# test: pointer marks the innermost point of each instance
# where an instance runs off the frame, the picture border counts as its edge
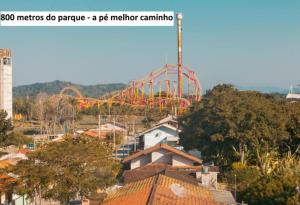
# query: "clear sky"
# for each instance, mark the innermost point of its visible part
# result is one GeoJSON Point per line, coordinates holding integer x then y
{"type": "Point", "coordinates": [244, 42]}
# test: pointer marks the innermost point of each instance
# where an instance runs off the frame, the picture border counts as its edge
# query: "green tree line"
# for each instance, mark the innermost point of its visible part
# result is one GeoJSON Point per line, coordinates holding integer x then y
{"type": "Point", "coordinates": [250, 135]}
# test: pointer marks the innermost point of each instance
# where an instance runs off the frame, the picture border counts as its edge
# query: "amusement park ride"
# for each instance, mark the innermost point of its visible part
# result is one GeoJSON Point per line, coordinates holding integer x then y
{"type": "Point", "coordinates": [171, 86]}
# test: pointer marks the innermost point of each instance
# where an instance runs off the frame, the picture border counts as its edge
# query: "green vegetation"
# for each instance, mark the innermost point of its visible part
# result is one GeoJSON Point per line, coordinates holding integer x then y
{"type": "Point", "coordinates": [7, 136]}
{"type": "Point", "coordinates": [118, 137]}
{"type": "Point", "coordinates": [5, 127]}
{"type": "Point", "coordinates": [150, 114]}
{"type": "Point", "coordinates": [55, 87]}
{"type": "Point", "coordinates": [61, 171]}
{"type": "Point", "coordinates": [249, 135]}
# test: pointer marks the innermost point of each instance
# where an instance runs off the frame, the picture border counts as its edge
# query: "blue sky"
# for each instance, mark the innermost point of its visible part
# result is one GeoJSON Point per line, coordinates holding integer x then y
{"type": "Point", "coordinates": [244, 42]}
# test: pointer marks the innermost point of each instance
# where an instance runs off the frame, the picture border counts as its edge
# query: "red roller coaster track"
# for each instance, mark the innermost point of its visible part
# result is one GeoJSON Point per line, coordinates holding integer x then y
{"type": "Point", "coordinates": [159, 88]}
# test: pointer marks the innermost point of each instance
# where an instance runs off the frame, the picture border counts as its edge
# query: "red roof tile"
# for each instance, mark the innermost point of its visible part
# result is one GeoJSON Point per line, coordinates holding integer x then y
{"type": "Point", "coordinates": [24, 151]}
{"type": "Point", "coordinates": [161, 190]}
{"type": "Point", "coordinates": [136, 193]}
{"type": "Point", "coordinates": [91, 133]}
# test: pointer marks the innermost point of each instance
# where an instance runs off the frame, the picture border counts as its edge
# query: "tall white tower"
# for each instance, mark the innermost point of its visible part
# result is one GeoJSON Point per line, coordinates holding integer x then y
{"type": "Point", "coordinates": [6, 81]}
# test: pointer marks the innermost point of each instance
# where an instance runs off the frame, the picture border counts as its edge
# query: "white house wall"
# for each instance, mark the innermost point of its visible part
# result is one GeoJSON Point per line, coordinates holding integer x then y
{"type": "Point", "coordinates": [140, 161]}
{"type": "Point", "coordinates": [156, 136]}
{"type": "Point", "coordinates": [161, 156]}
{"type": "Point", "coordinates": [180, 161]}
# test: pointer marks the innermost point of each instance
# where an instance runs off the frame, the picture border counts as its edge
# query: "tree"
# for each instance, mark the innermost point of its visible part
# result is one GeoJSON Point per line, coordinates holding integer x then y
{"type": "Point", "coordinates": [254, 137]}
{"type": "Point", "coordinates": [240, 177]}
{"type": "Point", "coordinates": [17, 139]}
{"type": "Point", "coordinates": [278, 187]}
{"type": "Point", "coordinates": [77, 166]}
{"type": "Point", "coordinates": [23, 106]}
{"type": "Point", "coordinates": [293, 127]}
{"type": "Point", "coordinates": [231, 125]}
{"type": "Point", "coordinates": [118, 137]}
{"type": "Point", "coordinates": [5, 127]}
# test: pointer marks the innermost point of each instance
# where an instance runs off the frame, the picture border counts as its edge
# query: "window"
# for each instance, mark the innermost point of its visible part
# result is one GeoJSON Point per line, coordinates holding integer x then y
{"type": "Point", "coordinates": [157, 134]}
{"type": "Point", "coordinates": [6, 61]}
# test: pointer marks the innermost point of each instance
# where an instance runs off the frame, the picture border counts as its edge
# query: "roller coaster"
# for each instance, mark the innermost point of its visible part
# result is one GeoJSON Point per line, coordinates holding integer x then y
{"type": "Point", "coordinates": [171, 86]}
{"type": "Point", "coordinates": [157, 89]}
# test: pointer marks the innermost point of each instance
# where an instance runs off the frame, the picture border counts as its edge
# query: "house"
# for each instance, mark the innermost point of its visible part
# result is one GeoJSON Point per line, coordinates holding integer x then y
{"type": "Point", "coordinates": [94, 133]}
{"type": "Point", "coordinates": [169, 120]}
{"type": "Point", "coordinates": [111, 126]}
{"type": "Point", "coordinates": [13, 158]}
{"type": "Point", "coordinates": [162, 133]}
{"type": "Point", "coordinates": [161, 190]}
{"type": "Point", "coordinates": [106, 128]}
{"type": "Point", "coordinates": [203, 175]}
{"type": "Point", "coordinates": [153, 169]}
{"type": "Point", "coordinates": [161, 153]}
{"type": "Point", "coordinates": [7, 196]}
{"type": "Point", "coordinates": [164, 158]}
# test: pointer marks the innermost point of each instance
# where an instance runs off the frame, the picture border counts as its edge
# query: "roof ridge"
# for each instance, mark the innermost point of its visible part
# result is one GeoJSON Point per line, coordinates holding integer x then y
{"type": "Point", "coordinates": [153, 190]}
{"type": "Point", "coordinates": [163, 146]}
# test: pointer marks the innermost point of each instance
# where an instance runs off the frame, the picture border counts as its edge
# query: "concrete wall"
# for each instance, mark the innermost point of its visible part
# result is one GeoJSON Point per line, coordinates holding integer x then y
{"type": "Point", "coordinates": [208, 179]}
{"type": "Point", "coordinates": [161, 156]}
{"type": "Point", "coordinates": [6, 82]}
{"type": "Point", "coordinates": [180, 161]}
{"type": "Point", "coordinates": [19, 200]}
{"type": "Point", "coordinates": [140, 161]}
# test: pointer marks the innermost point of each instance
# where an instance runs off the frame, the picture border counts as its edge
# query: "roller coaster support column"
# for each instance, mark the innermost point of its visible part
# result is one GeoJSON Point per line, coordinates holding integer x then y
{"type": "Point", "coordinates": [179, 30]}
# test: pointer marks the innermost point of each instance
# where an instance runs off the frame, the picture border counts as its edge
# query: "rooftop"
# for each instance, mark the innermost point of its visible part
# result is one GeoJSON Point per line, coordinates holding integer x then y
{"type": "Point", "coordinates": [165, 147]}
{"type": "Point", "coordinates": [161, 190]}
{"type": "Point", "coordinates": [158, 126]}
{"type": "Point", "coordinates": [153, 169]}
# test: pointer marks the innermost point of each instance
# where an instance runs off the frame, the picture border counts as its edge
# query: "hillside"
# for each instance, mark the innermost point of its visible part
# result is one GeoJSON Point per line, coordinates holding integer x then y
{"type": "Point", "coordinates": [56, 86]}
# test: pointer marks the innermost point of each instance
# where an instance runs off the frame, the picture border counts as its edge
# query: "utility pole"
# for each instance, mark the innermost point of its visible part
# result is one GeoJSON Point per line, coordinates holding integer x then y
{"type": "Point", "coordinates": [235, 187]}
{"type": "Point", "coordinates": [99, 126]}
{"type": "Point", "coordinates": [124, 141]}
{"type": "Point", "coordinates": [73, 120]}
{"type": "Point", "coordinates": [115, 138]}
{"type": "Point", "coordinates": [298, 193]}
{"type": "Point", "coordinates": [179, 42]}
{"type": "Point", "coordinates": [133, 130]}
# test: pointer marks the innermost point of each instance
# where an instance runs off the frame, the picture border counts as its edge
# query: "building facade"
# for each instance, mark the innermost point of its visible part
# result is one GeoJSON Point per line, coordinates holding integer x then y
{"type": "Point", "coordinates": [6, 81]}
{"type": "Point", "coordinates": [162, 133]}
{"type": "Point", "coordinates": [161, 153]}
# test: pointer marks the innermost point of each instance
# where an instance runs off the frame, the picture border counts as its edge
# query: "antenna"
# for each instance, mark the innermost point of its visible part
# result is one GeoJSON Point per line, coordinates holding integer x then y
{"type": "Point", "coordinates": [291, 89]}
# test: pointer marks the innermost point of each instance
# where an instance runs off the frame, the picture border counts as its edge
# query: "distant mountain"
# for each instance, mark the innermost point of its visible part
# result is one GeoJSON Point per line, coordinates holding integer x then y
{"type": "Point", "coordinates": [264, 89]}
{"type": "Point", "coordinates": [56, 86]}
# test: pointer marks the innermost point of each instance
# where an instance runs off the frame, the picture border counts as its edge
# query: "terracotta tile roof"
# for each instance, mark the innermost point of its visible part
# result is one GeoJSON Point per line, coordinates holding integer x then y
{"type": "Point", "coordinates": [24, 151]}
{"type": "Point", "coordinates": [159, 168]}
{"type": "Point", "coordinates": [161, 190]}
{"type": "Point", "coordinates": [177, 192]}
{"type": "Point", "coordinates": [144, 172]}
{"type": "Point", "coordinates": [136, 193]}
{"type": "Point", "coordinates": [5, 163]}
{"type": "Point", "coordinates": [5, 181]}
{"type": "Point", "coordinates": [162, 146]}
{"type": "Point", "coordinates": [91, 133]}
